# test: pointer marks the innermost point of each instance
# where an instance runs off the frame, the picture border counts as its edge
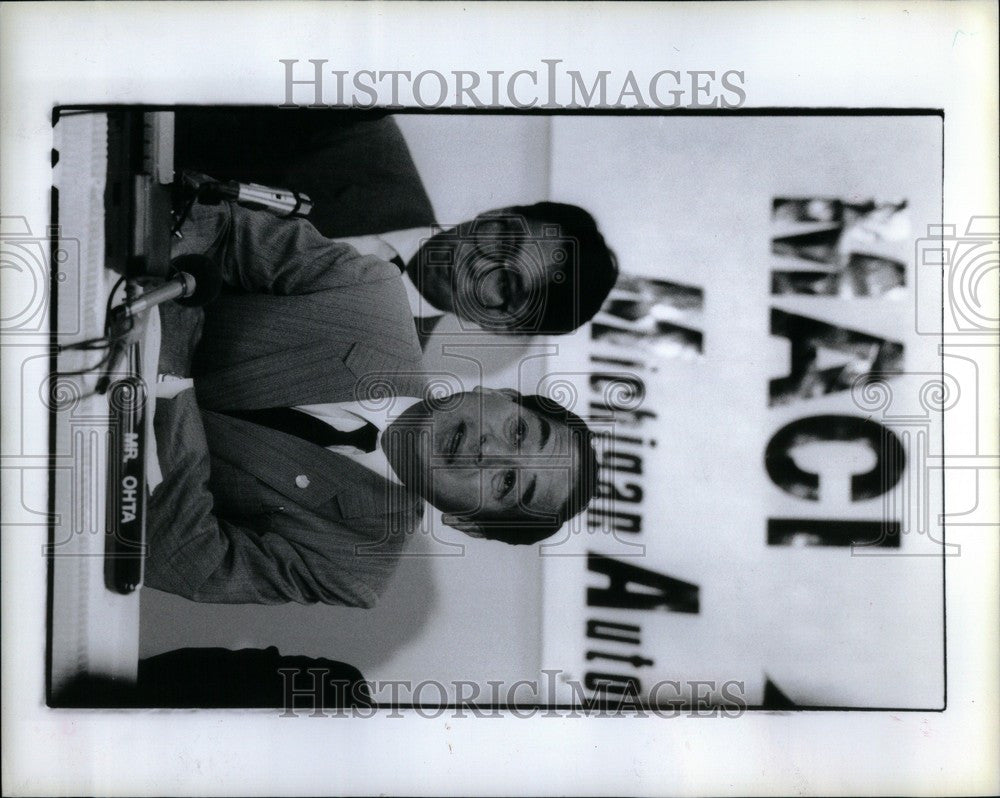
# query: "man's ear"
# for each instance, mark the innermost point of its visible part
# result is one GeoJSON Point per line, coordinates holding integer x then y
{"type": "Point", "coordinates": [466, 525]}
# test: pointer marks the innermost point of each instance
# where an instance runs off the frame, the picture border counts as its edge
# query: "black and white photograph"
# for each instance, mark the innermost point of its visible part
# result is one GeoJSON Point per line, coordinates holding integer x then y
{"type": "Point", "coordinates": [359, 432]}
{"type": "Point", "coordinates": [328, 411]}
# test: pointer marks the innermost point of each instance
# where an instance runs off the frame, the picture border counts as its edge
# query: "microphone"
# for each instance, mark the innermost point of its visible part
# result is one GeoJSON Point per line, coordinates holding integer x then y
{"type": "Point", "coordinates": [196, 283]}
{"type": "Point", "coordinates": [280, 200]}
{"type": "Point", "coordinates": [180, 286]}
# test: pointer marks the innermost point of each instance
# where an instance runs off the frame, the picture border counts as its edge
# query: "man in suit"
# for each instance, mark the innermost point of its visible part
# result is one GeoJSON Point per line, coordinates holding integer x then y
{"type": "Point", "coordinates": [536, 269]}
{"type": "Point", "coordinates": [298, 442]}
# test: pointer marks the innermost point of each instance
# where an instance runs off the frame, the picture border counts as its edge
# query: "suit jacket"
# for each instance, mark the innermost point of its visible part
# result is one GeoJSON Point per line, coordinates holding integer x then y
{"type": "Point", "coordinates": [249, 514]}
{"type": "Point", "coordinates": [354, 165]}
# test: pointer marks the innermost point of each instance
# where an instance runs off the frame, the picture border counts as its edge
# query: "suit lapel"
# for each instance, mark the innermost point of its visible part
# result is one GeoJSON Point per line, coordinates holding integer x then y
{"type": "Point", "coordinates": [301, 375]}
{"type": "Point", "coordinates": [305, 374]}
{"type": "Point", "coordinates": [307, 474]}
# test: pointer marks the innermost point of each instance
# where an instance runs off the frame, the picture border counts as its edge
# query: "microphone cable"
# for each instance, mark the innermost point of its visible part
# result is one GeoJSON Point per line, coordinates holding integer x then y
{"type": "Point", "coordinates": [108, 341]}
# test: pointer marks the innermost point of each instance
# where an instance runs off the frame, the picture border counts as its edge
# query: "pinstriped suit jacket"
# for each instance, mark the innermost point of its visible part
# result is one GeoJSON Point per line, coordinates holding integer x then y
{"type": "Point", "coordinates": [249, 514]}
{"type": "Point", "coordinates": [356, 166]}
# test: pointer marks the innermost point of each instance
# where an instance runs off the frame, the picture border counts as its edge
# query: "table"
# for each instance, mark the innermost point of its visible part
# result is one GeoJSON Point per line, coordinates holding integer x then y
{"type": "Point", "coordinates": [93, 630]}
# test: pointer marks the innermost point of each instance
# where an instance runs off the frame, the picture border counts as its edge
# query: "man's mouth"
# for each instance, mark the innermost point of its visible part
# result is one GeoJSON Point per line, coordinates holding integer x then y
{"type": "Point", "coordinates": [455, 442]}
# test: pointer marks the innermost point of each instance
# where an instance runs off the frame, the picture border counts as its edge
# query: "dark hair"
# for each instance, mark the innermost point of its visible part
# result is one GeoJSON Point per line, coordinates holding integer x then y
{"type": "Point", "coordinates": [582, 455]}
{"type": "Point", "coordinates": [572, 302]}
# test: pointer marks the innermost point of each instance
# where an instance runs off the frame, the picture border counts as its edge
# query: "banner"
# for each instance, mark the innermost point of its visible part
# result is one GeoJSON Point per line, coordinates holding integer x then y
{"type": "Point", "coordinates": [767, 530]}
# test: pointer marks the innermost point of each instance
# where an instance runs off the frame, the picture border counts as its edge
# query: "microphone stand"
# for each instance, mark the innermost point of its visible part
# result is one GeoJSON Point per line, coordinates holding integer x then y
{"type": "Point", "coordinates": [118, 332]}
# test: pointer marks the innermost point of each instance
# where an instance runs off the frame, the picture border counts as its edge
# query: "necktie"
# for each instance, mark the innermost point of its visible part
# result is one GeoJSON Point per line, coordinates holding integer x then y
{"type": "Point", "coordinates": [307, 427]}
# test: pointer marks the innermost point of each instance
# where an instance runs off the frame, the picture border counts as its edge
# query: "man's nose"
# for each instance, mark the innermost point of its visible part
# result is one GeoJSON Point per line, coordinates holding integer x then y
{"type": "Point", "coordinates": [491, 448]}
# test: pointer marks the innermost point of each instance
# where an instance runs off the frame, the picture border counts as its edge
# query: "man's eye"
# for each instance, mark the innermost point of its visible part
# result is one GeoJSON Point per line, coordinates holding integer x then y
{"type": "Point", "coordinates": [507, 485]}
{"type": "Point", "coordinates": [520, 431]}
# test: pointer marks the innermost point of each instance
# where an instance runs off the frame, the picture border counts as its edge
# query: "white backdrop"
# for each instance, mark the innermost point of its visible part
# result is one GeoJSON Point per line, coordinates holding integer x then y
{"type": "Point", "coordinates": [689, 200]}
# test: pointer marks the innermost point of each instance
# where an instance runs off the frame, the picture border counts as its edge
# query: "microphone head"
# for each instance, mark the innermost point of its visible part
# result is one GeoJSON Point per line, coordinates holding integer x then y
{"type": "Point", "coordinates": [207, 279]}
